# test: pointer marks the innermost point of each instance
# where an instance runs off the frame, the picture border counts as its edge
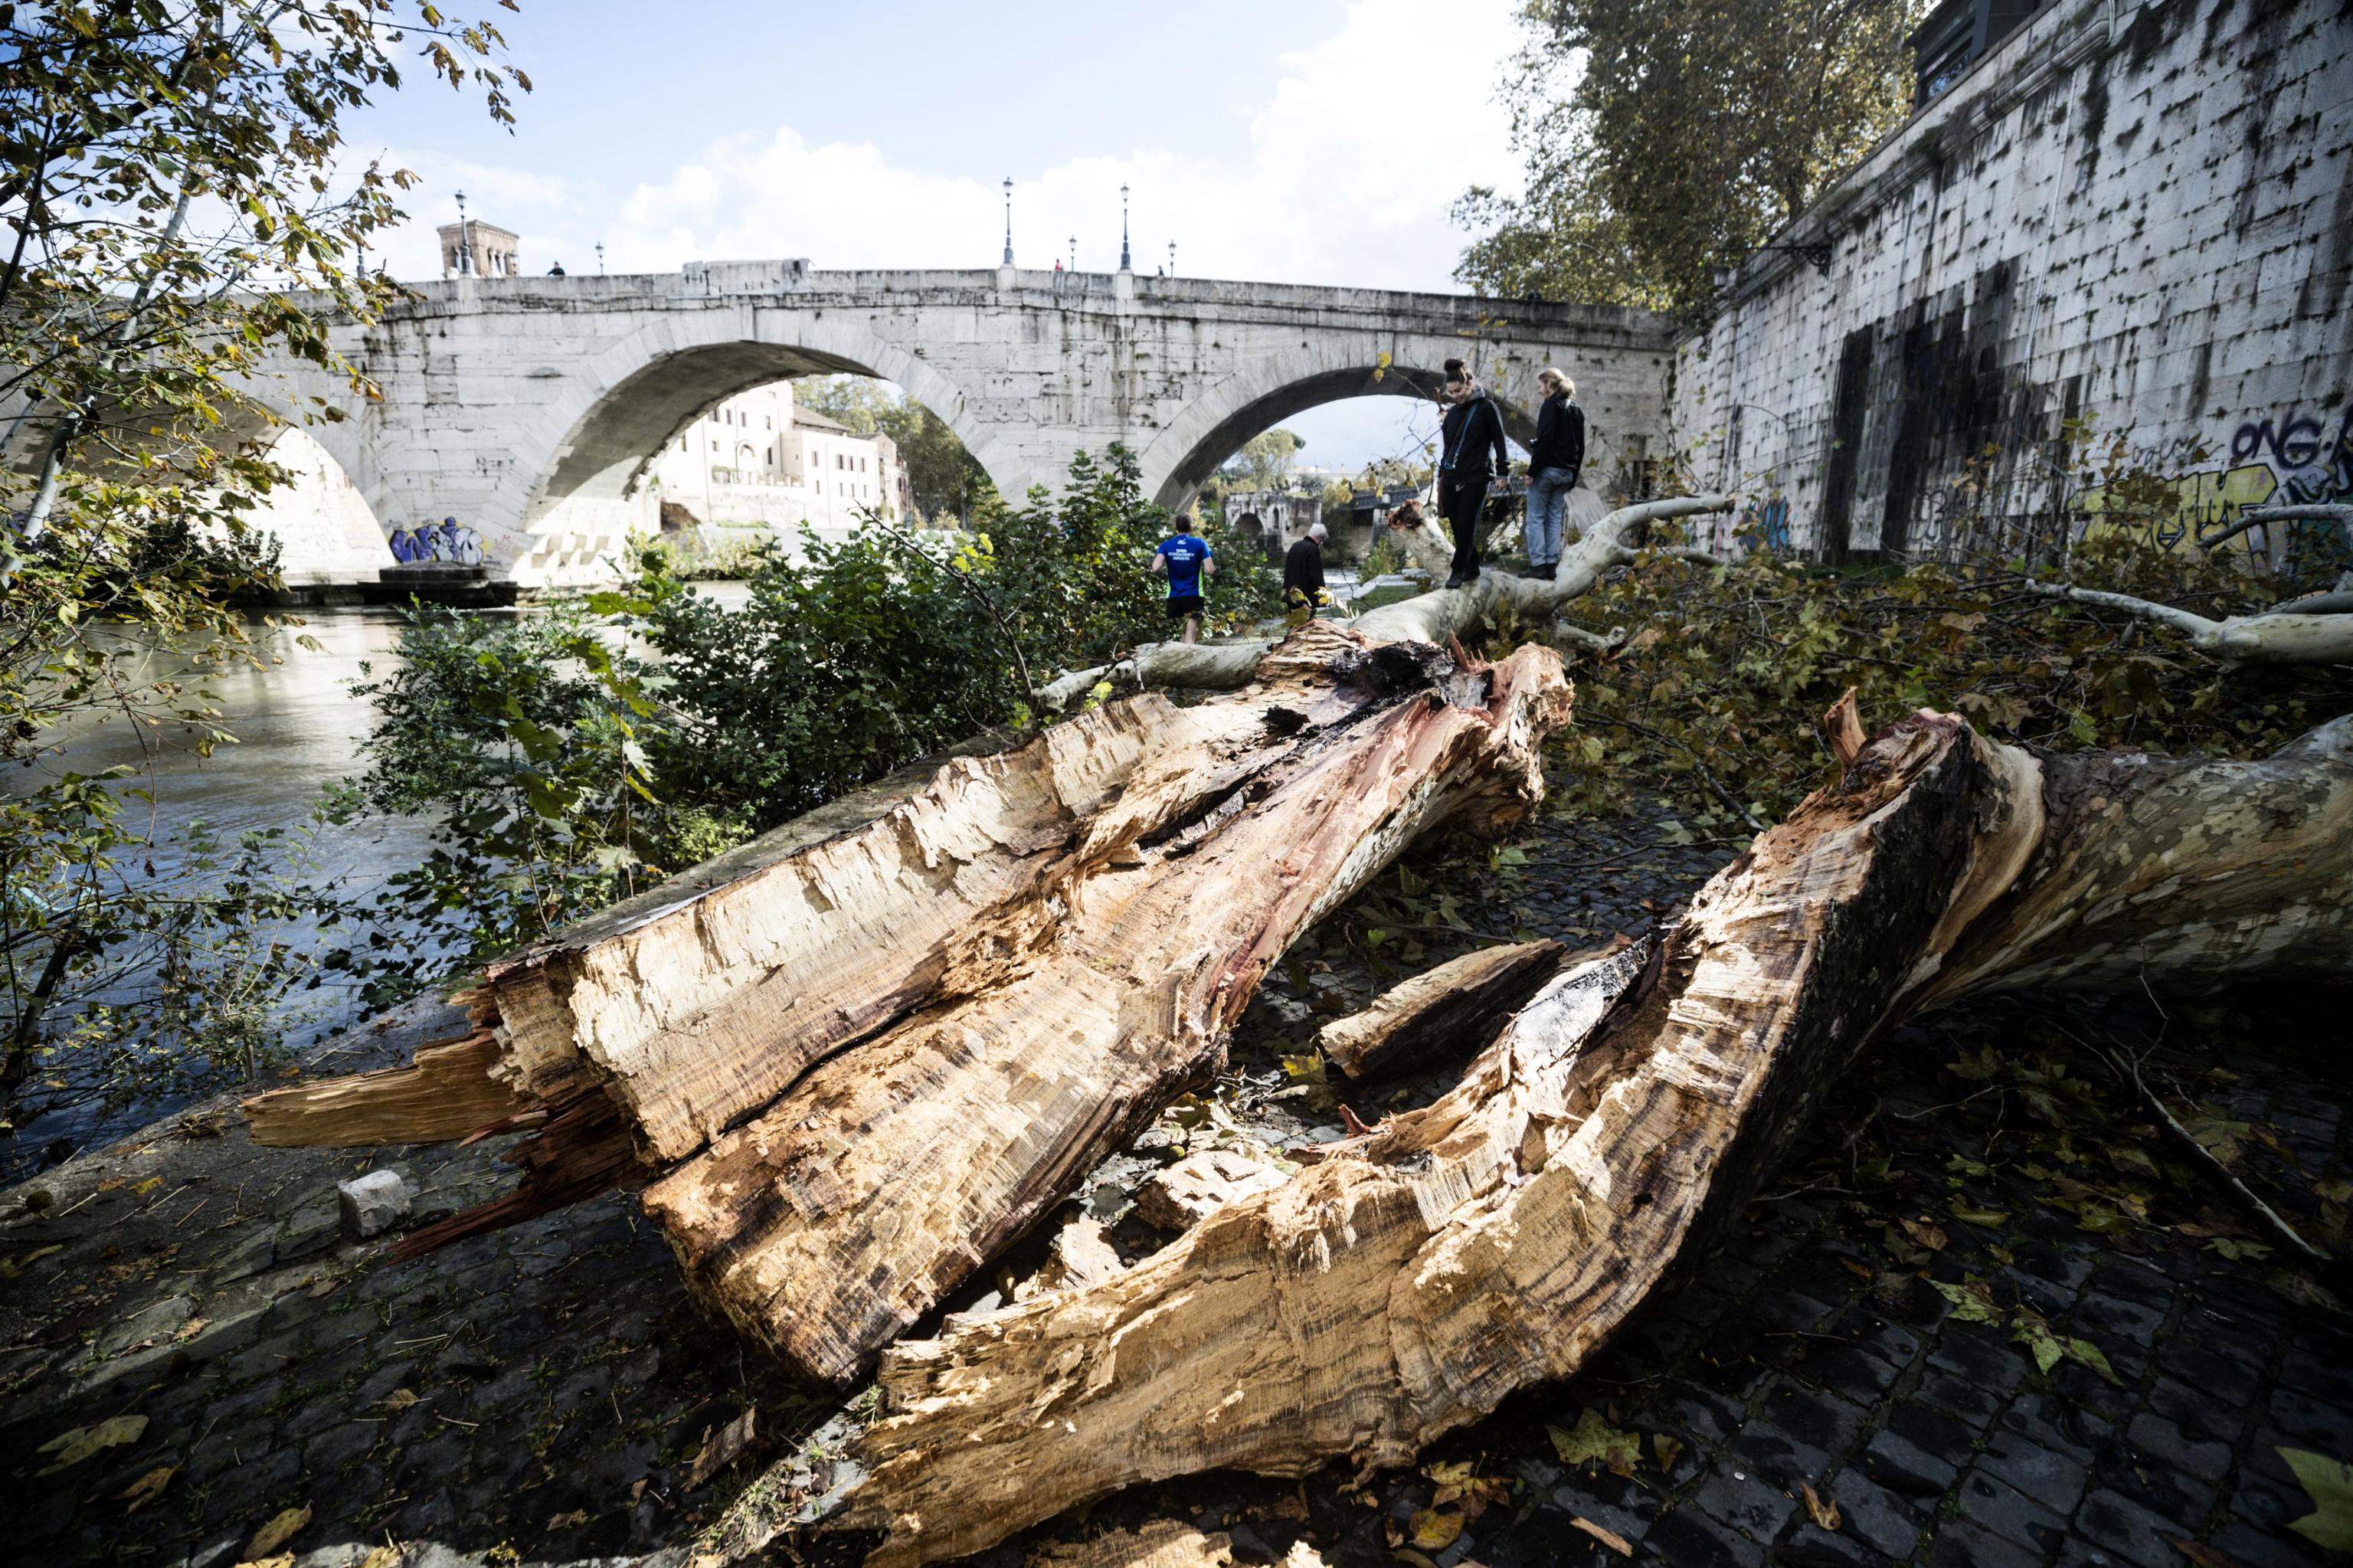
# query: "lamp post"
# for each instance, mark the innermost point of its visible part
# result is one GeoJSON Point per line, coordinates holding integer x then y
{"type": "Point", "coordinates": [1172, 258]}
{"type": "Point", "coordinates": [465, 241]}
{"type": "Point", "coordinates": [1074, 252]}
{"type": "Point", "coordinates": [1009, 221]}
{"type": "Point", "coordinates": [1124, 265]}
{"type": "Point", "coordinates": [600, 259]}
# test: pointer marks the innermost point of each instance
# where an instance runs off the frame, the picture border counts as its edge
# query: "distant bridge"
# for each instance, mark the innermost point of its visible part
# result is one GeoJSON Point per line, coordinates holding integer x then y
{"type": "Point", "coordinates": [529, 408]}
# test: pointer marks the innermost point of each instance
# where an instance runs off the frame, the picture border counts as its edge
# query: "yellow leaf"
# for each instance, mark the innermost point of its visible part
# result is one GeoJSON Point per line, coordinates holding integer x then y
{"type": "Point", "coordinates": [143, 1491]}
{"type": "Point", "coordinates": [1433, 1531]}
{"type": "Point", "coordinates": [383, 1557]}
{"type": "Point", "coordinates": [1925, 1234]}
{"type": "Point", "coordinates": [191, 1328]}
{"type": "Point", "coordinates": [1825, 1514]}
{"type": "Point", "coordinates": [1595, 1441]}
{"type": "Point", "coordinates": [276, 1533]}
{"type": "Point", "coordinates": [142, 1188]}
{"type": "Point", "coordinates": [398, 1399]}
{"type": "Point", "coordinates": [72, 1448]}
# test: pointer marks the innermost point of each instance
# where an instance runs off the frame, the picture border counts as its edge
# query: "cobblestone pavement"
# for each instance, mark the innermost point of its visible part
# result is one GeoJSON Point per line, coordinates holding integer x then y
{"type": "Point", "coordinates": [1870, 1331]}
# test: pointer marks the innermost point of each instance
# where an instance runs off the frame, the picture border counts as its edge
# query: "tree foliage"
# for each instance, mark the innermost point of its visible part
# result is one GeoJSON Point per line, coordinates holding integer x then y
{"type": "Point", "coordinates": [1661, 137]}
{"type": "Point", "coordinates": [169, 179]}
{"type": "Point", "coordinates": [560, 775]}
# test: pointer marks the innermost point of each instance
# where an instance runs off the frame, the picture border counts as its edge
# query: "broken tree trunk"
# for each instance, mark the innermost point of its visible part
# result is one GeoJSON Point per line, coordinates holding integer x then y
{"type": "Point", "coordinates": [1406, 1284]}
{"type": "Point", "coordinates": [855, 1064]}
{"type": "Point", "coordinates": [1461, 1002]}
{"type": "Point", "coordinates": [1437, 617]}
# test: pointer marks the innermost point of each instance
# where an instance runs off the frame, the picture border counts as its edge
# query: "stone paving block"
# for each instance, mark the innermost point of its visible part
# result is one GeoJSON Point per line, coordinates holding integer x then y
{"type": "Point", "coordinates": [1865, 1328]}
{"type": "Point", "coordinates": [1936, 1430]}
{"type": "Point", "coordinates": [1687, 1538]}
{"type": "Point", "coordinates": [2056, 1423]}
{"type": "Point", "coordinates": [2268, 1549]}
{"type": "Point", "coordinates": [1902, 1466]}
{"type": "Point", "coordinates": [1958, 1543]}
{"type": "Point", "coordinates": [1746, 1501]}
{"type": "Point", "coordinates": [1758, 1450]}
{"type": "Point", "coordinates": [2312, 1421]}
{"type": "Point", "coordinates": [1817, 1419]}
{"type": "Point", "coordinates": [2001, 1508]}
{"type": "Point", "coordinates": [1848, 1370]}
{"type": "Point", "coordinates": [2057, 1480]}
{"type": "Point", "coordinates": [1977, 1356]}
{"type": "Point", "coordinates": [1974, 1404]}
{"type": "Point", "coordinates": [1707, 1415]}
{"type": "Point", "coordinates": [2116, 1530]}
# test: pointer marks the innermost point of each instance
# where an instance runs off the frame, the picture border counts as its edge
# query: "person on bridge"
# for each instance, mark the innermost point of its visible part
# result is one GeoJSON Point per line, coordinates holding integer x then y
{"type": "Point", "coordinates": [1470, 431]}
{"type": "Point", "coordinates": [1555, 463]}
{"type": "Point", "coordinates": [1182, 558]}
{"type": "Point", "coordinates": [1303, 576]}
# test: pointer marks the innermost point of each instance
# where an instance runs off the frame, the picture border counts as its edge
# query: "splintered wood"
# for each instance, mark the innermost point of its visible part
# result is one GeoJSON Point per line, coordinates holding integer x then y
{"type": "Point", "coordinates": [851, 1061]}
{"type": "Point", "coordinates": [1460, 1002]}
{"type": "Point", "coordinates": [1411, 1280]}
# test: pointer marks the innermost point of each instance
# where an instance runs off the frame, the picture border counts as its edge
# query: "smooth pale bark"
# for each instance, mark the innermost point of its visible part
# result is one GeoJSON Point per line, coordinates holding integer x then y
{"type": "Point", "coordinates": [1406, 1284]}
{"type": "Point", "coordinates": [1437, 617]}
{"type": "Point", "coordinates": [2277, 637]}
{"type": "Point", "coordinates": [1459, 1002]}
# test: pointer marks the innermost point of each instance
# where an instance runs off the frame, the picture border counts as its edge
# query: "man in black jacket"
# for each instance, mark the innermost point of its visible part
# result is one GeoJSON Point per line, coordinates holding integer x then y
{"type": "Point", "coordinates": [1303, 575]}
{"type": "Point", "coordinates": [1554, 464]}
{"type": "Point", "coordinates": [1470, 431]}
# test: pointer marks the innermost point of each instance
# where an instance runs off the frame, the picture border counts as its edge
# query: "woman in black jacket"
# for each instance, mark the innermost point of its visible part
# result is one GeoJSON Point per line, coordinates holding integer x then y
{"type": "Point", "coordinates": [1472, 430]}
{"type": "Point", "coordinates": [1553, 465]}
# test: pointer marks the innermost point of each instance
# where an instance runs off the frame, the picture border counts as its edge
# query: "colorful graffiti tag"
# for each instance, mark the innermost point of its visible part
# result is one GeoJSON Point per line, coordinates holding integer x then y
{"type": "Point", "coordinates": [448, 540]}
{"type": "Point", "coordinates": [2274, 460]}
{"type": "Point", "coordinates": [1765, 524]}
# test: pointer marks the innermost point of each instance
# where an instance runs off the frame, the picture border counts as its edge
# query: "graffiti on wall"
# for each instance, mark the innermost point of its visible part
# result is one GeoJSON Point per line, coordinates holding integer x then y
{"type": "Point", "coordinates": [448, 540]}
{"type": "Point", "coordinates": [2274, 459]}
{"type": "Point", "coordinates": [1765, 523]}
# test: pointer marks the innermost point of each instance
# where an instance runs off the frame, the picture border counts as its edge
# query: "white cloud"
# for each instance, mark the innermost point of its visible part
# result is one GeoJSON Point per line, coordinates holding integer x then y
{"type": "Point", "coordinates": [1348, 179]}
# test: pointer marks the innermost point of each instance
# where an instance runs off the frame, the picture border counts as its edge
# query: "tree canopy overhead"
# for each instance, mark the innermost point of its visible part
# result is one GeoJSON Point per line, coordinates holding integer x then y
{"type": "Point", "coordinates": [1663, 137]}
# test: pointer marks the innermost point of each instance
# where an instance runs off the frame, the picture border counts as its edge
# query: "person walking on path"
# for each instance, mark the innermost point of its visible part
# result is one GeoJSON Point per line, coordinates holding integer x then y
{"type": "Point", "coordinates": [1182, 558]}
{"type": "Point", "coordinates": [1554, 464]}
{"type": "Point", "coordinates": [1470, 431]}
{"type": "Point", "coordinates": [1303, 576]}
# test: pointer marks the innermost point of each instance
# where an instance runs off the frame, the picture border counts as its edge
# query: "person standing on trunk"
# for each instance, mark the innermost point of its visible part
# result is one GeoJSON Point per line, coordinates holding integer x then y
{"type": "Point", "coordinates": [1554, 464]}
{"type": "Point", "coordinates": [1471, 432]}
{"type": "Point", "coordinates": [1182, 558]}
{"type": "Point", "coordinates": [1303, 576]}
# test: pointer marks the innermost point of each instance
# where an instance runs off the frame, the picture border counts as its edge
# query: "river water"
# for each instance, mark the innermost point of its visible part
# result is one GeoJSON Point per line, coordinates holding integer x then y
{"type": "Point", "coordinates": [299, 729]}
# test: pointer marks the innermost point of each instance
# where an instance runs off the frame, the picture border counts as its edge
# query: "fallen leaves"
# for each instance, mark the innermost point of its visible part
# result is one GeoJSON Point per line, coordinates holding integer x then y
{"type": "Point", "coordinates": [147, 1487]}
{"type": "Point", "coordinates": [73, 1446]}
{"type": "Point", "coordinates": [276, 1533]}
{"type": "Point", "coordinates": [1594, 1441]}
{"type": "Point", "coordinates": [398, 1399]}
{"type": "Point", "coordinates": [2329, 1483]}
{"type": "Point", "coordinates": [1825, 1514]}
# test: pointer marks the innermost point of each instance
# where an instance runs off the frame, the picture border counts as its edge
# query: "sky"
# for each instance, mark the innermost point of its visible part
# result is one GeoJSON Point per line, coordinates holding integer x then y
{"type": "Point", "coordinates": [1311, 141]}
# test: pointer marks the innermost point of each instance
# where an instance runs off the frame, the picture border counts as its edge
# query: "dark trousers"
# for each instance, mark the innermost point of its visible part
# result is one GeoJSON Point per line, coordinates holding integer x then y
{"type": "Point", "coordinates": [1461, 505]}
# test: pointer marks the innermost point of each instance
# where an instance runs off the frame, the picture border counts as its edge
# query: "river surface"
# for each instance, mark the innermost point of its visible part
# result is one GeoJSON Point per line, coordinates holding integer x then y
{"type": "Point", "coordinates": [299, 729]}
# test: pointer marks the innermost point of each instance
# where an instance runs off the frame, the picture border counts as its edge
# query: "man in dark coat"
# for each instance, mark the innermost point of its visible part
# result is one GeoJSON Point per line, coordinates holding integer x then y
{"type": "Point", "coordinates": [1554, 464]}
{"type": "Point", "coordinates": [1303, 575]}
{"type": "Point", "coordinates": [1472, 430]}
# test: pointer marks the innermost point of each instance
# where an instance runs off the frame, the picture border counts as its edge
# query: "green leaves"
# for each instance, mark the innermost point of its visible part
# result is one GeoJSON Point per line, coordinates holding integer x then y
{"type": "Point", "coordinates": [1593, 1441]}
{"type": "Point", "coordinates": [2329, 1483]}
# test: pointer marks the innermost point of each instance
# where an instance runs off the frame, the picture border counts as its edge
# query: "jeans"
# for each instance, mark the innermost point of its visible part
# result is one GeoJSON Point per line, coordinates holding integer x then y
{"type": "Point", "coordinates": [1461, 505]}
{"type": "Point", "coordinates": [1547, 500]}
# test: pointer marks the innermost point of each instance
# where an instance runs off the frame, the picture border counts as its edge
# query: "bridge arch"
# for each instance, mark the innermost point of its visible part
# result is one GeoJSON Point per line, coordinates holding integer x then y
{"type": "Point", "coordinates": [640, 392]}
{"type": "Point", "coordinates": [1258, 397]}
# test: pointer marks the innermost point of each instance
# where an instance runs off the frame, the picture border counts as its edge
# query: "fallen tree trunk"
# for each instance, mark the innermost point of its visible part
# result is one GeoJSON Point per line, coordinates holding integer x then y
{"type": "Point", "coordinates": [1407, 1283]}
{"type": "Point", "coordinates": [1438, 616]}
{"type": "Point", "coordinates": [857, 1058]}
{"type": "Point", "coordinates": [1461, 1001]}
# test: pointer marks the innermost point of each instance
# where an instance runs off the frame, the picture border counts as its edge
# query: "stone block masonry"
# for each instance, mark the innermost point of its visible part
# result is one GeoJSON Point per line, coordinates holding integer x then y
{"type": "Point", "coordinates": [2136, 219]}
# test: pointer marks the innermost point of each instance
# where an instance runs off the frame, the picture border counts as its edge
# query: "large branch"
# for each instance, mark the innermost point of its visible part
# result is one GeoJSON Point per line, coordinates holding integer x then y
{"type": "Point", "coordinates": [1437, 617]}
{"type": "Point", "coordinates": [860, 1055]}
{"type": "Point", "coordinates": [2276, 637]}
{"type": "Point", "coordinates": [1406, 1284]}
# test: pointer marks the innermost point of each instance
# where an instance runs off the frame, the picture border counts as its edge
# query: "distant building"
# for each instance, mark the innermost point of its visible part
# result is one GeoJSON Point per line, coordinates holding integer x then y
{"type": "Point", "coordinates": [484, 250]}
{"type": "Point", "coordinates": [760, 459]}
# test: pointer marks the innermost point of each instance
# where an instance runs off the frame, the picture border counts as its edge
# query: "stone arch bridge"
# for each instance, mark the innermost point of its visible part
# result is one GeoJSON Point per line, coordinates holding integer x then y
{"type": "Point", "coordinates": [530, 408]}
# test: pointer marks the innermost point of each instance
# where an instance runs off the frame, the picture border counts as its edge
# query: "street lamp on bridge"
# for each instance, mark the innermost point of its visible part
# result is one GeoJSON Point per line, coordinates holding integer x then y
{"type": "Point", "coordinates": [1009, 221]}
{"type": "Point", "coordinates": [1124, 265]}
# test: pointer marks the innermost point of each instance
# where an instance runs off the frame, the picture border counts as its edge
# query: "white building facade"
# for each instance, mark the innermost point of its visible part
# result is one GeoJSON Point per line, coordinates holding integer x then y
{"type": "Point", "coordinates": [758, 460]}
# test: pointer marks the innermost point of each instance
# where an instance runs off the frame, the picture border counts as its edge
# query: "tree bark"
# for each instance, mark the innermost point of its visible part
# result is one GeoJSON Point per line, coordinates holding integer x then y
{"type": "Point", "coordinates": [1406, 1284]}
{"type": "Point", "coordinates": [859, 1058]}
{"type": "Point", "coordinates": [1460, 1002]}
{"type": "Point", "coordinates": [2283, 636]}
